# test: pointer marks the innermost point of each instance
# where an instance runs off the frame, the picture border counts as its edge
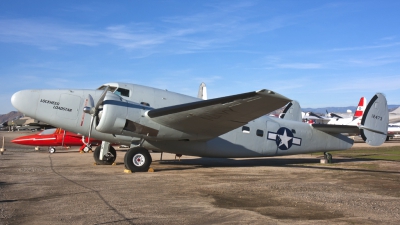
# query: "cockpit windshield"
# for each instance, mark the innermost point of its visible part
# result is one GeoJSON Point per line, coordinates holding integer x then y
{"type": "Point", "coordinates": [118, 91]}
{"type": "Point", "coordinates": [103, 87]}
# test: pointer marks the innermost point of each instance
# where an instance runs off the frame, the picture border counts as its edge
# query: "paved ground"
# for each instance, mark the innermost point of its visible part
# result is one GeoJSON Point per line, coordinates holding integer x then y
{"type": "Point", "coordinates": [66, 188]}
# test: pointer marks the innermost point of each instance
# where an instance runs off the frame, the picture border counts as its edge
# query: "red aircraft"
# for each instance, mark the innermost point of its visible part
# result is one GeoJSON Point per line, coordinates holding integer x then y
{"type": "Point", "coordinates": [56, 137]}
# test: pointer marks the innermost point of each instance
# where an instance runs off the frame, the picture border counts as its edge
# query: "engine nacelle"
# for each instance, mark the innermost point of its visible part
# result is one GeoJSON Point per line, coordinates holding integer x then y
{"type": "Point", "coordinates": [122, 117]}
{"type": "Point", "coordinates": [113, 116]}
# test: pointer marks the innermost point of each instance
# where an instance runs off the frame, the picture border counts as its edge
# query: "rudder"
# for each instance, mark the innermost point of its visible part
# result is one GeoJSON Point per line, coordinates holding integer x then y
{"type": "Point", "coordinates": [374, 123]}
{"type": "Point", "coordinates": [292, 112]}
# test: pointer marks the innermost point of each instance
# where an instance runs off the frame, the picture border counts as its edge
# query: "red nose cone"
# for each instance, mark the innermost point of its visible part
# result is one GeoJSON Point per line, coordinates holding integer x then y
{"type": "Point", "coordinates": [24, 140]}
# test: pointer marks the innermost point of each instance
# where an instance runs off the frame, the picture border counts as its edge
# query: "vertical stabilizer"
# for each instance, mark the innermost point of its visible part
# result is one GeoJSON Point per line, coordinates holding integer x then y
{"type": "Point", "coordinates": [202, 91]}
{"type": "Point", "coordinates": [292, 112]}
{"type": "Point", "coordinates": [374, 123]}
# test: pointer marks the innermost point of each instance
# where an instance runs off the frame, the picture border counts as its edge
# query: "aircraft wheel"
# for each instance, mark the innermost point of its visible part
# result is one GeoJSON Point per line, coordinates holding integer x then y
{"type": "Point", "coordinates": [107, 159]}
{"type": "Point", "coordinates": [137, 159]}
{"type": "Point", "coordinates": [52, 150]}
{"type": "Point", "coordinates": [87, 148]}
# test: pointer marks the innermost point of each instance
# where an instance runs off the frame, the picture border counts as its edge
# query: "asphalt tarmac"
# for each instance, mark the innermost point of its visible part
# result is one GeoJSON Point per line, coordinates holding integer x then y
{"type": "Point", "coordinates": [67, 188]}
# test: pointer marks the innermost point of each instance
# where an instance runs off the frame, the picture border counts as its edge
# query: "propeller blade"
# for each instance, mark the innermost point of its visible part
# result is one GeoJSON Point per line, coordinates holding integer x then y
{"type": "Point", "coordinates": [103, 95]}
{"type": "Point", "coordinates": [94, 110]}
{"type": "Point", "coordinates": [90, 100]}
{"type": "Point", "coordinates": [335, 115]}
{"type": "Point", "coordinates": [313, 114]}
{"type": "Point", "coordinates": [90, 129]}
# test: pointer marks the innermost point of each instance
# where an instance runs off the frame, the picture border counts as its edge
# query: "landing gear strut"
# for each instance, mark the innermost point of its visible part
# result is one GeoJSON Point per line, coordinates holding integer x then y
{"type": "Point", "coordinates": [328, 157]}
{"type": "Point", "coordinates": [87, 148]}
{"type": "Point", "coordinates": [137, 159]}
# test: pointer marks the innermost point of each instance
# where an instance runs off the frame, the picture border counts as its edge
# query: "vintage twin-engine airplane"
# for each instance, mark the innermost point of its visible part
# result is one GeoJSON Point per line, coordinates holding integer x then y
{"type": "Point", "coordinates": [228, 127]}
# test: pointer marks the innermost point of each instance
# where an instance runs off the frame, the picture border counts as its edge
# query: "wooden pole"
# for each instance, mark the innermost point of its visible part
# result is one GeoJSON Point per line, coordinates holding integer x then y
{"type": "Point", "coordinates": [2, 149]}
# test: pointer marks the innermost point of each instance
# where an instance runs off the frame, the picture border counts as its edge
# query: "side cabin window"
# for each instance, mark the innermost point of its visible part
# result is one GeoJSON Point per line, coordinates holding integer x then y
{"type": "Point", "coordinates": [122, 92]}
{"type": "Point", "coordinates": [246, 129]}
{"type": "Point", "coordinates": [260, 133]}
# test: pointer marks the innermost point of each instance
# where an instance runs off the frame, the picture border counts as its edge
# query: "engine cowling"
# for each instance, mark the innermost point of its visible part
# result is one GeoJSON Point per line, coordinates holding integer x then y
{"type": "Point", "coordinates": [112, 118]}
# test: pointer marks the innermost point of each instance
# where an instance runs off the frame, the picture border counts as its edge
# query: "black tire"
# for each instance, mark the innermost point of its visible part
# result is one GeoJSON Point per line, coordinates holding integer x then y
{"type": "Point", "coordinates": [86, 149]}
{"type": "Point", "coordinates": [52, 150]}
{"type": "Point", "coordinates": [137, 159]}
{"type": "Point", "coordinates": [106, 160]}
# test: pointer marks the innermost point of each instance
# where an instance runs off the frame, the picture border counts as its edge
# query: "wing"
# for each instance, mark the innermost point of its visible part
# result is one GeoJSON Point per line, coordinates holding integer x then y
{"type": "Point", "coordinates": [211, 118]}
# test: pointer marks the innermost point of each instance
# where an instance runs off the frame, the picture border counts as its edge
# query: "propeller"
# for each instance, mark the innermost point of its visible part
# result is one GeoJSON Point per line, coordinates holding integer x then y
{"type": "Point", "coordinates": [313, 114]}
{"type": "Point", "coordinates": [94, 110]}
{"type": "Point", "coordinates": [333, 115]}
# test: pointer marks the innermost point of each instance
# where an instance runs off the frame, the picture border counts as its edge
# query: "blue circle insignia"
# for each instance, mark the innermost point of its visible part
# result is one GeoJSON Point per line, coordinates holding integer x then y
{"type": "Point", "coordinates": [284, 138]}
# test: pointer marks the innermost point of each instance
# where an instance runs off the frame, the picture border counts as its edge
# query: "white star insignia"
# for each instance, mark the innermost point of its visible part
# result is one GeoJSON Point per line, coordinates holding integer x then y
{"type": "Point", "coordinates": [284, 139]}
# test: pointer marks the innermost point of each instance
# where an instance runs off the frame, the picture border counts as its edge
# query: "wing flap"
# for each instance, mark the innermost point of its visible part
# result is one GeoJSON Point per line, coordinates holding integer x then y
{"type": "Point", "coordinates": [211, 118]}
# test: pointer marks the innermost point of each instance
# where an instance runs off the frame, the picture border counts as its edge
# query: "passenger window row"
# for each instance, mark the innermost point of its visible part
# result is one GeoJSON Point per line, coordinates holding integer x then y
{"type": "Point", "coordinates": [246, 130]}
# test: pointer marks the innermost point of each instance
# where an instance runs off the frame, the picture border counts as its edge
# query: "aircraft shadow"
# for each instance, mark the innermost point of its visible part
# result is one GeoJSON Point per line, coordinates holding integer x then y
{"type": "Point", "coordinates": [280, 162]}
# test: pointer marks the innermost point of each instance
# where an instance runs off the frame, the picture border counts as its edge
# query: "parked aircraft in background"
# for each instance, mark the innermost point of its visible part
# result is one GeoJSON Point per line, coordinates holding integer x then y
{"type": "Point", "coordinates": [393, 131]}
{"type": "Point", "coordinates": [202, 94]}
{"type": "Point", "coordinates": [234, 126]}
{"type": "Point", "coordinates": [56, 137]}
{"type": "Point", "coordinates": [394, 116]}
{"type": "Point", "coordinates": [336, 119]}
{"type": "Point", "coordinates": [356, 119]}
{"type": "Point", "coordinates": [25, 123]}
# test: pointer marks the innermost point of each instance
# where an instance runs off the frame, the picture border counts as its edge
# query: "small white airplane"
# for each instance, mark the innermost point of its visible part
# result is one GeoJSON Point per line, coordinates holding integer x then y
{"type": "Point", "coordinates": [335, 119]}
{"type": "Point", "coordinates": [394, 116]}
{"type": "Point", "coordinates": [393, 131]}
{"type": "Point", "coordinates": [234, 126]}
{"type": "Point", "coordinates": [356, 119]}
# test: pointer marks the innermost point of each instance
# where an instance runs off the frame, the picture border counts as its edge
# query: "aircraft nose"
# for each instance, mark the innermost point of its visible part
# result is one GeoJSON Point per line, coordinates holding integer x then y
{"type": "Point", "coordinates": [26, 101]}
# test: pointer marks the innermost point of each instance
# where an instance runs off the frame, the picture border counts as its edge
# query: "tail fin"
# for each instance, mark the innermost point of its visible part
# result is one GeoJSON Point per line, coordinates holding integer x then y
{"type": "Point", "coordinates": [292, 112]}
{"type": "Point", "coordinates": [202, 91]}
{"type": "Point", "coordinates": [374, 123]}
{"type": "Point", "coordinates": [360, 108]}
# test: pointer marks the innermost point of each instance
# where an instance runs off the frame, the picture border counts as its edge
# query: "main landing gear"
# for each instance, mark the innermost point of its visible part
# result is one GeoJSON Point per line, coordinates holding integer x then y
{"type": "Point", "coordinates": [328, 157]}
{"type": "Point", "coordinates": [137, 159]}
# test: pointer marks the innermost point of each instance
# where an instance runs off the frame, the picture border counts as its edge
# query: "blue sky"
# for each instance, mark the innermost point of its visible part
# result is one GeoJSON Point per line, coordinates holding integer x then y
{"type": "Point", "coordinates": [321, 53]}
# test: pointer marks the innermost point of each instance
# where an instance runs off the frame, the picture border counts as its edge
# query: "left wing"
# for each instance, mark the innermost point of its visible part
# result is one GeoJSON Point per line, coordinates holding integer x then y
{"type": "Point", "coordinates": [211, 118]}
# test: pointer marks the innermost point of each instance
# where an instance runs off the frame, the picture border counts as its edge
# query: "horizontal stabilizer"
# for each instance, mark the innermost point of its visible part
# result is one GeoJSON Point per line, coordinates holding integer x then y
{"type": "Point", "coordinates": [337, 129]}
{"type": "Point", "coordinates": [374, 123]}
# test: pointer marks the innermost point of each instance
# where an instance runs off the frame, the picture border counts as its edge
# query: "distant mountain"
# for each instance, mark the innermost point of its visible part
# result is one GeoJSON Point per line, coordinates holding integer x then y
{"type": "Point", "coordinates": [10, 116]}
{"type": "Point", "coordinates": [339, 109]}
